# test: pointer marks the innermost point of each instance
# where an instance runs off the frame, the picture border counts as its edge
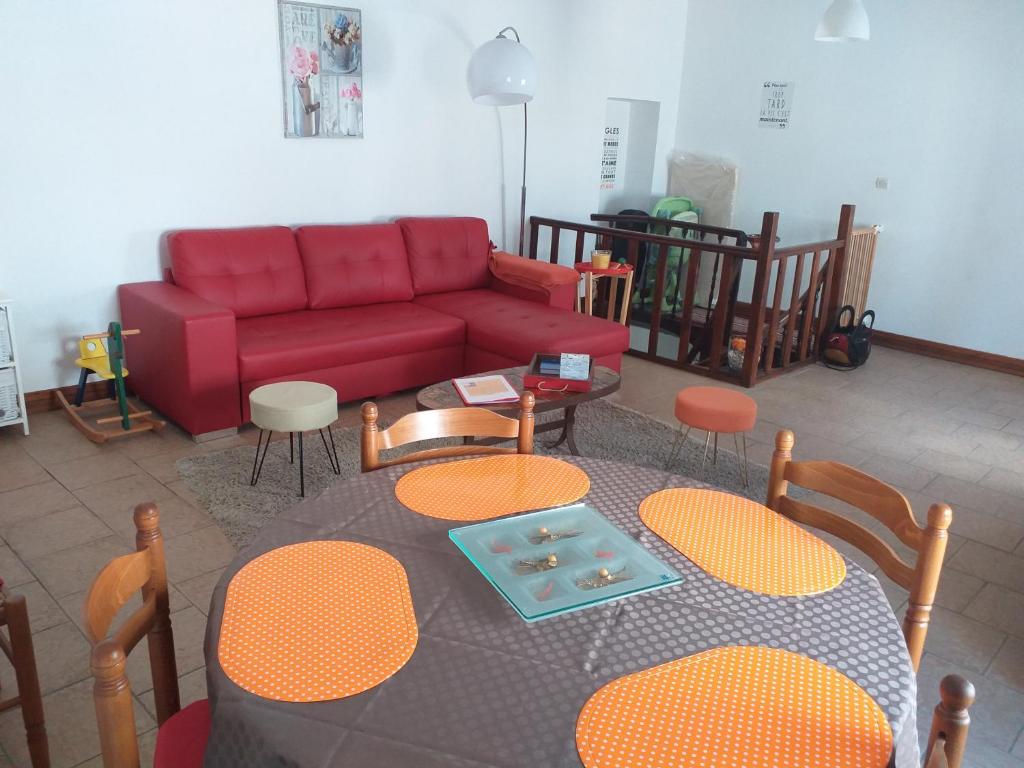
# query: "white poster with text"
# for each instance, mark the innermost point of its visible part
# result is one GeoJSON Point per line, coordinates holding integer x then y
{"type": "Point", "coordinates": [776, 104]}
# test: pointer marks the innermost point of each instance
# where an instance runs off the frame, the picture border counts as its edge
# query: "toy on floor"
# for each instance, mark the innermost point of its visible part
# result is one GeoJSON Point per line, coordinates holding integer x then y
{"type": "Point", "coordinates": [107, 362]}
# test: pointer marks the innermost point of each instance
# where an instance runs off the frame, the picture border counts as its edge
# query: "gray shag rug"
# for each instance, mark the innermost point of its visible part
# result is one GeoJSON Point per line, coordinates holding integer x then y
{"type": "Point", "coordinates": [603, 431]}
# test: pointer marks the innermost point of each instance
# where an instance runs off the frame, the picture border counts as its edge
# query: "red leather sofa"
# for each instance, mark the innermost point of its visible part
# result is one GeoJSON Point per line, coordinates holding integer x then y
{"type": "Point", "coordinates": [368, 309]}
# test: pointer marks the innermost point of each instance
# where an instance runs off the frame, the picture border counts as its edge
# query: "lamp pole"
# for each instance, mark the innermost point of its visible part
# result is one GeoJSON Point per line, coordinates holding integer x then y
{"type": "Point", "coordinates": [502, 74]}
{"type": "Point", "coordinates": [526, 126]}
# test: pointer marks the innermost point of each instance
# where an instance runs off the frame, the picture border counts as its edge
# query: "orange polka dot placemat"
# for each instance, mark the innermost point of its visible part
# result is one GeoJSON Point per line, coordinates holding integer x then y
{"type": "Point", "coordinates": [734, 707]}
{"type": "Point", "coordinates": [317, 621]}
{"type": "Point", "coordinates": [479, 489]}
{"type": "Point", "coordinates": [742, 542]}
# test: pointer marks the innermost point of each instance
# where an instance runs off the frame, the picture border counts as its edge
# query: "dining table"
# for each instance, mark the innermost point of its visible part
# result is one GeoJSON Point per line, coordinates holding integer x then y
{"type": "Point", "coordinates": [485, 689]}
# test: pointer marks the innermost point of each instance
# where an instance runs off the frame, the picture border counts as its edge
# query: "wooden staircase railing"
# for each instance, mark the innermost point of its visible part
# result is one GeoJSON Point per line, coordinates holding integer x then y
{"type": "Point", "coordinates": [791, 304]}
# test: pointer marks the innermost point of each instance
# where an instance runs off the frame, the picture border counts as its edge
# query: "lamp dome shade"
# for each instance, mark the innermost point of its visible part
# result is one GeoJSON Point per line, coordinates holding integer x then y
{"type": "Point", "coordinates": [501, 72]}
{"type": "Point", "coordinates": [844, 20]}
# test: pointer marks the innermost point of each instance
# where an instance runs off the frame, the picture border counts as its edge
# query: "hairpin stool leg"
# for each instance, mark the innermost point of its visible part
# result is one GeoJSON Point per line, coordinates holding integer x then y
{"type": "Point", "coordinates": [257, 462]}
{"type": "Point", "coordinates": [704, 461]}
{"type": "Point", "coordinates": [677, 444]}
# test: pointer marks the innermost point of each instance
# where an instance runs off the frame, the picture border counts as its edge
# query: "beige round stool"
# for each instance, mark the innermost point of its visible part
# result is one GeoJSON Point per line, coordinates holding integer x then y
{"type": "Point", "coordinates": [293, 407]}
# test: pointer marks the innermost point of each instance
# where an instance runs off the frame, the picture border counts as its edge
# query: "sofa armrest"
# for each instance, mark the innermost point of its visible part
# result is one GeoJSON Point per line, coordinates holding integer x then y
{"type": "Point", "coordinates": [550, 284]}
{"type": "Point", "coordinates": [185, 361]}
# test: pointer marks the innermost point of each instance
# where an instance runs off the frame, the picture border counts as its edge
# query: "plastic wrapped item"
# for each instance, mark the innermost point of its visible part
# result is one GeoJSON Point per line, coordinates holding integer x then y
{"type": "Point", "coordinates": [709, 181]}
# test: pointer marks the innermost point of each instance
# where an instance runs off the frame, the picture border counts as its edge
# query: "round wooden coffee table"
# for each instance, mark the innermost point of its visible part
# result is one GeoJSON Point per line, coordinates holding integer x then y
{"type": "Point", "coordinates": [606, 381]}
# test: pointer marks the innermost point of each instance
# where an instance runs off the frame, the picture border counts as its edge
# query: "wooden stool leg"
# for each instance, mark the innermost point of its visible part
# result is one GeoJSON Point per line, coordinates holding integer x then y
{"type": "Point", "coordinates": [627, 300]}
{"type": "Point", "coordinates": [28, 681]}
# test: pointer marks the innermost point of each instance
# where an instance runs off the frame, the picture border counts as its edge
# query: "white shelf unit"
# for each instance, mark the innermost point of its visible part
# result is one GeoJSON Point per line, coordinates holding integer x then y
{"type": "Point", "coordinates": [12, 393]}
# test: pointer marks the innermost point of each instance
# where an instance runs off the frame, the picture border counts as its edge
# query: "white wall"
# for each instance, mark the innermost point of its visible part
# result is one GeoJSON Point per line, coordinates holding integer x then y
{"type": "Point", "coordinates": [124, 119]}
{"type": "Point", "coordinates": [934, 102]}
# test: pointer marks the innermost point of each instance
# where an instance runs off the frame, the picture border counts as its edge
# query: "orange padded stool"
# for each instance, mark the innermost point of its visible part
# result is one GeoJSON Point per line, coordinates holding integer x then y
{"type": "Point", "coordinates": [714, 410]}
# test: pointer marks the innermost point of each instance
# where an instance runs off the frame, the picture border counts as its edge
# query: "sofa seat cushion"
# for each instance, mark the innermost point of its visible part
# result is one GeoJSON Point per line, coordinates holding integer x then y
{"type": "Point", "coordinates": [251, 271]}
{"type": "Point", "coordinates": [354, 265]}
{"type": "Point", "coordinates": [446, 253]}
{"type": "Point", "coordinates": [298, 342]}
{"type": "Point", "coordinates": [517, 328]}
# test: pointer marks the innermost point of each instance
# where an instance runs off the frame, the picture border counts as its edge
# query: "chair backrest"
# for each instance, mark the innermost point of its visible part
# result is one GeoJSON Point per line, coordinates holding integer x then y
{"type": "Point", "coordinates": [885, 504]}
{"type": "Point", "coordinates": [445, 422]}
{"type": "Point", "coordinates": [948, 738]}
{"type": "Point", "coordinates": [142, 570]}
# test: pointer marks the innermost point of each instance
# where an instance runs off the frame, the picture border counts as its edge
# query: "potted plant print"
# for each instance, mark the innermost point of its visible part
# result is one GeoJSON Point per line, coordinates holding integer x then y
{"type": "Point", "coordinates": [303, 64]}
{"type": "Point", "coordinates": [343, 44]}
{"type": "Point", "coordinates": [352, 112]}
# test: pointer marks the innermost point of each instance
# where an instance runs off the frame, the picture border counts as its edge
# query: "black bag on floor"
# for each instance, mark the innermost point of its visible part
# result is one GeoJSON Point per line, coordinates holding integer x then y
{"type": "Point", "coordinates": [849, 344]}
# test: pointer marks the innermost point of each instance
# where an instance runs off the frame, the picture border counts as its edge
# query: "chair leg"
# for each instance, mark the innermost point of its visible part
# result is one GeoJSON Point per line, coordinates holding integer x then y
{"type": "Point", "coordinates": [677, 444]}
{"type": "Point", "coordinates": [704, 461]}
{"type": "Point", "coordinates": [302, 470]}
{"type": "Point", "coordinates": [257, 462]}
{"type": "Point", "coordinates": [24, 662]}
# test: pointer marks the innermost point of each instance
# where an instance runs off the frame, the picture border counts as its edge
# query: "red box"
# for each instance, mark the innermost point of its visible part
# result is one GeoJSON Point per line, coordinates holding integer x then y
{"type": "Point", "coordinates": [534, 379]}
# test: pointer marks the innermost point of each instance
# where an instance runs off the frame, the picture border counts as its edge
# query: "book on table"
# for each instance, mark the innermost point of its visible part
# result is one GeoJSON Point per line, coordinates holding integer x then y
{"type": "Point", "coordinates": [485, 390]}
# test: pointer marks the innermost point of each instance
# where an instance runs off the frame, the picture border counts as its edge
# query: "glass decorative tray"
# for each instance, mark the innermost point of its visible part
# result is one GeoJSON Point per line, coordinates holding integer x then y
{"type": "Point", "coordinates": [560, 560]}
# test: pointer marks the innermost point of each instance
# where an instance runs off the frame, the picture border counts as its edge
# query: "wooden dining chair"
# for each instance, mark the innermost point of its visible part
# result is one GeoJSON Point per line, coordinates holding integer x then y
{"type": "Point", "coordinates": [880, 501]}
{"type": "Point", "coordinates": [17, 647]}
{"type": "Point", "coordinates": [445, 422]}
{"type": "Point", "coordinates": [947, 740]}
{"type": "Point", "coordinates": [181, 739]}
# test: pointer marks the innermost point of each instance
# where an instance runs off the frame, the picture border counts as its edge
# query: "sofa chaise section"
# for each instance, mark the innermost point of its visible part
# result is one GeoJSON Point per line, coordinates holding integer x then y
{"type": "Point", "coordinates": [367, 309]}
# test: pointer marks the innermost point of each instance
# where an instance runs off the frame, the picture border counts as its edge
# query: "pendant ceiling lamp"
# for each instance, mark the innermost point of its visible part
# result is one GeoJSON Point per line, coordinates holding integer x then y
{"type": "Point", "coordinates": [844, 20]}
{"type": "Point", "coordinates": [502, 73]}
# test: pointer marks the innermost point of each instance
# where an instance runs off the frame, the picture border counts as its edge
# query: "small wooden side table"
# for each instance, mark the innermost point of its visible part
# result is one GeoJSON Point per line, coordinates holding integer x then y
{"type": "Point", "coordinates": [616, 271]}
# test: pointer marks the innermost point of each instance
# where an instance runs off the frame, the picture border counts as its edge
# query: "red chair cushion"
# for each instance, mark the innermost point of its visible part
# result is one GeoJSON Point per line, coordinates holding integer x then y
{"type": "Point", "coordinates": [446, 254]}
{"type": "Point", "coordinates": [252, 271]}
{"type": "Point", "coordinates": [181, 741]}
{"type": "Point", "coordinates": [351, 266]}
{"type": "Point", "coordinates": [283, 345]}
{"type": "Point", "coordinates": [517, 329]}
{"type": "Point", "coordinates": [716, 409]}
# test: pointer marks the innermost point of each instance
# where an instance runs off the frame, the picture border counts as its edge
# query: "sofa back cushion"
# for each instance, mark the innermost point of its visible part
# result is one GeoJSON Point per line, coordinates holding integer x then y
{"type": "Point", "coordinates": [446, 254]}
{"type": "Point", "coordinates": [251, 271]}
{"type": "Point", "coordinates": [352, 266]}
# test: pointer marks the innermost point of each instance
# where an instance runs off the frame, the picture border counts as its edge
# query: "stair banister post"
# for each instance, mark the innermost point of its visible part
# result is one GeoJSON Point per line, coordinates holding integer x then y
{"type": "Point", "coordinates": [759, 299]}
{"type": "Point", "coordinates": [844, 233]}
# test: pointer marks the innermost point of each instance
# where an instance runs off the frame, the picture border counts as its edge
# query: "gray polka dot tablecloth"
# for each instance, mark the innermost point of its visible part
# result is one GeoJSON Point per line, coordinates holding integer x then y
{"type": "Point", "coordinates": [484, 688]}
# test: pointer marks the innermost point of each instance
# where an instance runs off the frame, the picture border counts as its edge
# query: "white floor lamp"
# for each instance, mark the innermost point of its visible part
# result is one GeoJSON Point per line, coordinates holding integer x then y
{"type": "Point", "coordinates": [501, 73]}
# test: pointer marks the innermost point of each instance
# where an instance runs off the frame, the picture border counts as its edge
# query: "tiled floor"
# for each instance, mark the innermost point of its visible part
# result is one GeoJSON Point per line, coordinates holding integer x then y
{"type": "Point", "coordinates": [935, 430]}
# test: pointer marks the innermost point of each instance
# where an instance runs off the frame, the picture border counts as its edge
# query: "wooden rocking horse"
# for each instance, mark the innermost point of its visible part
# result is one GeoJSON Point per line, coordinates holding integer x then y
{"type": "Point", "coordinates": [107, 362]}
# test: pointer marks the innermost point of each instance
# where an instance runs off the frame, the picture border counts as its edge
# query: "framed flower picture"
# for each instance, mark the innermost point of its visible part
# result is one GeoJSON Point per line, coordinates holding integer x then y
{"type": "Point", "coordinates": [322, 70]}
